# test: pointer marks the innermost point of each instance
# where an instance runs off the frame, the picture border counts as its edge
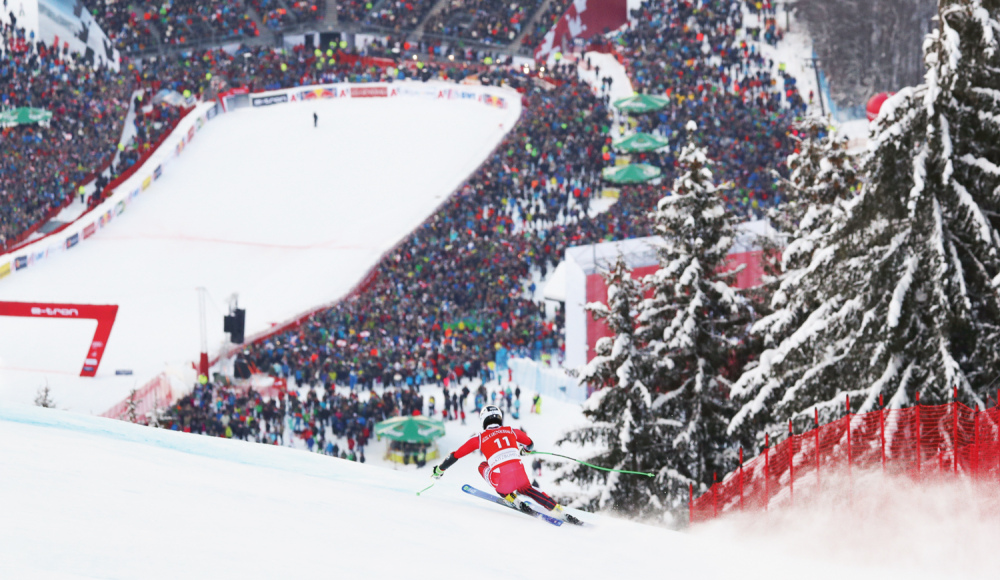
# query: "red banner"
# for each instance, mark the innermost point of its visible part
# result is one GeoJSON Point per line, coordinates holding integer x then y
{"type": "Point", "coordinates": [103, 314]}
{"type": "Point", "coordinates": [362, 92]}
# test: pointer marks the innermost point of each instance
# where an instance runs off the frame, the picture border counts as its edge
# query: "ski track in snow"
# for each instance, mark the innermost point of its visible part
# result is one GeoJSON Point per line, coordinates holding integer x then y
{"type": "Point", "coordinates": [87, 497]}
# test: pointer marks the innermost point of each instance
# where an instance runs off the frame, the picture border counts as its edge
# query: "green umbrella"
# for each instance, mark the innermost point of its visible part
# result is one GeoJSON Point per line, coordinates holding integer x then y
{"type": "Point", "coordinates": [408, 429]}
{"type": "Point", "coordinates": [640, 103]}
{"type": "Point", "coordinates": [24, 116]}
{"type": "Point", "coordinates": [640, 142]}
{"type": "Point", "coordinates": [635, 173]}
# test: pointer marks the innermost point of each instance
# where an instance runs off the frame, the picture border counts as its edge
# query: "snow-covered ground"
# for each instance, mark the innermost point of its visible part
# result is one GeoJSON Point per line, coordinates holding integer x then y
{"type": "Point", "coordinates": [603, 66]}
{"type": "Point", "coordinates": [545, 429]}
{"type": "Point", "coordinates": [261, 204]}
{"type": "Point", "coordinates": [86, 497]}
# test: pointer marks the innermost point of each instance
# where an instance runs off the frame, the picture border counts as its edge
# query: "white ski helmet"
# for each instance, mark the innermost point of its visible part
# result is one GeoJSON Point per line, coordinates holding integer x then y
{"type": "Point", "coordinates": [490, 415]}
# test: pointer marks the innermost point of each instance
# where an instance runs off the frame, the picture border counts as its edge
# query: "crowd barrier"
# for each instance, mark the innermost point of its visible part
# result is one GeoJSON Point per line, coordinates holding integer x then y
{"type": "Point", "coordinates": [431, 90]}
{"type": "Point", "coordinates": [546, 381]}
{"type": "Point", "coordinates": [919, 442]}
{"type": "Point", "coordinates": [140, 178]}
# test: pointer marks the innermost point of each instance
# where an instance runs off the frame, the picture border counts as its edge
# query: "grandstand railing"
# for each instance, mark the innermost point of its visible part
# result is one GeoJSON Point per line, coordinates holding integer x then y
{"type": "Point", "coordinates": [921, 442]}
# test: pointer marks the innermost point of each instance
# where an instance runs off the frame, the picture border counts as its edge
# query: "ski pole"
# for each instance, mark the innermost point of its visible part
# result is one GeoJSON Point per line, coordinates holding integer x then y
{"type": "Point", "coordinates": [426, 488]}
{"type": "Point", "coordinates": [594, 466]}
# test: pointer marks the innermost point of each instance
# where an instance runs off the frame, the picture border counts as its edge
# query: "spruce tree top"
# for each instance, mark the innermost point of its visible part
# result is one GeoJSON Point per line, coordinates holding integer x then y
{"type": "Point", "coordinates": [901, 296]}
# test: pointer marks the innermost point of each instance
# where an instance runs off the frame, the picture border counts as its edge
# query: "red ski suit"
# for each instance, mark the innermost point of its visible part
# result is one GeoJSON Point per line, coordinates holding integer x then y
{"type": "Point", "coordinates": [502, 468]}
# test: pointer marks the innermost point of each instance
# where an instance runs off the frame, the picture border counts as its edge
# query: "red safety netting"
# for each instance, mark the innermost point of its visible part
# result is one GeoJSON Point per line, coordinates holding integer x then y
{"type": "Point", "coordinates": [156, 394]}
{"type": "Point", "coordinates": [919, 442]}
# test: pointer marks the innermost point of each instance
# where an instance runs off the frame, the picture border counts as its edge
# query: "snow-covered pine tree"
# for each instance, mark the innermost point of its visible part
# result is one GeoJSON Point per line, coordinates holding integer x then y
{"type": "Point", "coordinates": [692, 324]}
{"type": "Point", "coordinates": [822, 175]}
{"type": "Point", "coordinates": [43, 397]}
{"type": "Point", "coordinates": [131, 410]}
{"type": "Point", "coordinates": [622, 426]}
{"type": "Point", "coordinates": [902, 296]}
{"type": "Point", "coordinates": [823, 179]}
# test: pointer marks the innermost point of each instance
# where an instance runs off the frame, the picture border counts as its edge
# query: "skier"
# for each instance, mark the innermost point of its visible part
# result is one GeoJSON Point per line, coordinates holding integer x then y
{"type": "Point", "coordinates": [315, 120]}
{"type": "Point", "coordinates": [503, 469]}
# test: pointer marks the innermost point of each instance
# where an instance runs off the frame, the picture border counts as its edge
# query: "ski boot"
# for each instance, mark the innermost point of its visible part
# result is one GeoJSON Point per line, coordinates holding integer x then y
{"type": "Point", "coordinates": [512, 498]}
{"type": "Point", "coordinates": [567, 517]}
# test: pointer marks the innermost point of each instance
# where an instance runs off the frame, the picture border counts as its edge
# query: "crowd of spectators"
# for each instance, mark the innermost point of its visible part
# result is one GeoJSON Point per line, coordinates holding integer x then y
{"type": "Point", "coordinates": [42, 165]}
{"type": "Point", "coordinates": [459, 289]}
{"type": "Point", "coordinates": [545, 22]}
{"type": "Point", "coordinates": [489, 21]}
{"type": "Point", "coordinates": [276, 14]}
{"type": "Point", "coordinates": [126, 29]}
{"type": "Point", "coordinates": [399, 14]}
{"type": "Point", "coordinates": [138, 26]}
{"type": "Point", "coordinates": [767, 30]}
{"type": "Point", "coordinates": [743, 102]}
{"type": "Point", "coordinates": [354, 10]}
{"type": "Point", "coordinates": [321, 419]}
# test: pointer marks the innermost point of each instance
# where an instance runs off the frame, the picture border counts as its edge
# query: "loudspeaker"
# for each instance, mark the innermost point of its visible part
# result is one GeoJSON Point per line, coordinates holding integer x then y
{"type": "Point", "coordinates": [234, 324]}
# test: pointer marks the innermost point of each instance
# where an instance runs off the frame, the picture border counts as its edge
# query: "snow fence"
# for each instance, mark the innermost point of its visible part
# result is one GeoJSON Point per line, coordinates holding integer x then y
{"type": "Point", "coordinates": [923, 442]}
{"type": "Point", "coordinates": [547, 381]}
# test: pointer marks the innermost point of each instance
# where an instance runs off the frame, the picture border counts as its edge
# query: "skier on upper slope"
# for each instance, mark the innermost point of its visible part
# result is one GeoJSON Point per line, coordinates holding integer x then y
{"type": "Point", "coordinates": [502, 468]}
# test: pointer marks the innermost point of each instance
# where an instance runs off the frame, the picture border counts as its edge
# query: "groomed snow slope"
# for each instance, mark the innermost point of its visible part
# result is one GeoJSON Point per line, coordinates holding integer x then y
{"type": "Point", "coordinates": [261, 203]}
{"type": "Point", "coordinates": [86, 497]}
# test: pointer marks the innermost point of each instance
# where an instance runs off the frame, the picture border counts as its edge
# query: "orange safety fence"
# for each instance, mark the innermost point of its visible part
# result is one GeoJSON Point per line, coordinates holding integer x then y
{"type": "Point", "coordinates": [919, 442]}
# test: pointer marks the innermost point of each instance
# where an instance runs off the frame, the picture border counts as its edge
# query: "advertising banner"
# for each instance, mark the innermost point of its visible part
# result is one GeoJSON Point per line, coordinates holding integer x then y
{"type": "Point", "coordinates": [146, 183]}
{"type": "Point", "coordinates": [269, 100]}
{"type": "Point", "coordinates": [369, 92]}
{"type": "Point", "coordinates": [72, 241]}
{"type": "Point", "coordinates": [20, 263]}
{"type": "Point", "coordinates": [89, 231]}
{"type": "Point", "coordinates": [320, 93]}
{"type": "Point", "coordinates": [103, 314]}
{"type": "Point", "coordinates": [495, 101]}
{"type": "Point", "coordinates": [5, 270]}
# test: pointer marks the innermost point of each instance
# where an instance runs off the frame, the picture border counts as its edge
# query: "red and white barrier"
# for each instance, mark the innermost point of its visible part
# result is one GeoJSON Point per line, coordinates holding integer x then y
{"type": "Point", "coordinates": [156, 394]}
{"type": "Point", "coordinates": [922, 442]}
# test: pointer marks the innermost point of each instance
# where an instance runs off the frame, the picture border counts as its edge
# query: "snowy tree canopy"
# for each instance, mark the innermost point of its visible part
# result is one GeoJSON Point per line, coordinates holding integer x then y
{"type": "Point", "coordinates": [823, 179]}
{"type": "Point", "coordinates": [623, 429]}
{"type": "Point", "coordinates": [692, 322]}
{"type": "Point", "coordinates": [900, 295]}
{"type": "Point", "coordinates": [821, 173]}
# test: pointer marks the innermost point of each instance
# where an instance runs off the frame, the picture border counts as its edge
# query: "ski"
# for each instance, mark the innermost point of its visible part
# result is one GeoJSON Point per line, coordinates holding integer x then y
{"type": "Point", "coordinates": [577, 522]}
{"type": "Point", "coordinates": [501, 501]}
